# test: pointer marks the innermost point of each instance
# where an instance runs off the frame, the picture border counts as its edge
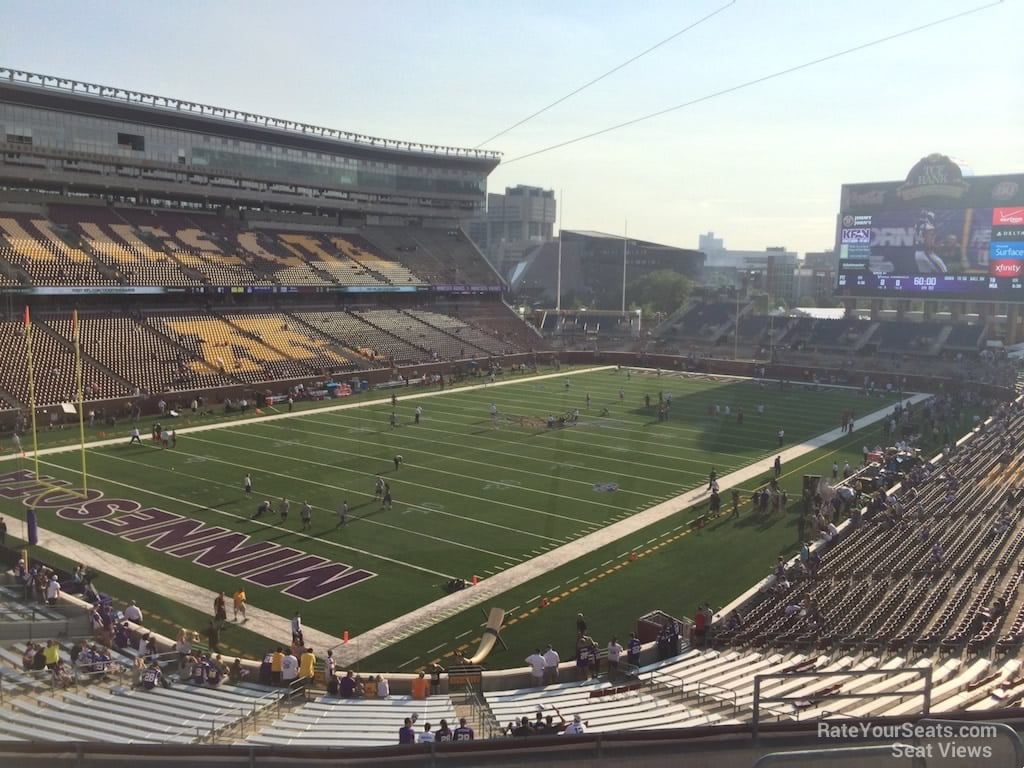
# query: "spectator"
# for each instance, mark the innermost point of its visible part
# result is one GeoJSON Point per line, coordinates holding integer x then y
{"type": "Point", "coordinates": [436, 670]}
{"type": "Point", "coordinates": [406, 735]}
{"type": "Point", "coordinates": [633, 654]}
{"type": "Point", "coordinates": [51, 654]}
{"type": "Point", "coordinates": [133, 613]}
{"type": "Point", "coordinates": [330, 666]}
{"type": "Point", "coordinates": [614, 653]}
{"type": "Point", "coordinates": [307, 666]}
{"type": "Point", "coordinates": [383, 687]}
{"type": "Point", "coordinates": [551, 662]}
{"type": "Point", "coordinates": [183, 645]}
{"type": "Point", "coordinates": [576, 727]}
{"type": "Point", "coordinates": [235, 672]}
{"type": "Point", "coordinates": [28, 657]}
{"type": "Point", "coordinates": [427, 736]}
{"type": "Point", "coordinates": [52, 590]}
{"type": "Point", "coordinates": [347, 688]}
{"type": "Point", "coordinates": [419, 687]}
{"type": "Point", "coordinates": [536, 662]}
{"type": "Point", "coordinates": [289, 669]}
{"type": "Point", "coordinates": [276, 662]}
{"type": "Point", "coordinates": [214, 672]}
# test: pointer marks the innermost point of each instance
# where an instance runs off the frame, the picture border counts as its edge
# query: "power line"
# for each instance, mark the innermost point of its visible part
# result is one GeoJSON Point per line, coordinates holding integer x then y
{"type": "Point", "coordinates": [612, 71]}
{"type": "Point", "coordinates": [759, 80]}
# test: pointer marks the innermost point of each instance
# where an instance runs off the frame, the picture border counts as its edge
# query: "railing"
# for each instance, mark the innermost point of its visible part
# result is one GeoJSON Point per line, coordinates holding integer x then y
{"type": "Point", "coordinates": [925, 673]}
{"type": "Point", "coordinates": [700, 689]}
{"type": "Point", "coordinates": [482, 714]}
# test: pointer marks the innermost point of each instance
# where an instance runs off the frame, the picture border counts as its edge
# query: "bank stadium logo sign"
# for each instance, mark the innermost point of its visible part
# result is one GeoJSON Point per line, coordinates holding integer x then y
{"type": "Point", "coordinates": [263, 563]}
{"type": "Point", "coordinates": [933, 176]}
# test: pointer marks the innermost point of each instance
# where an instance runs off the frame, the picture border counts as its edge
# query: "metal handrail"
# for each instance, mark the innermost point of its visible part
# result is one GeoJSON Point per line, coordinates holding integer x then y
{"type": "Point", "coordinates": [825, 756]}
{"type": "Point", "coordinates": [1003, 728]}
{"type": "Point", "coordinates": [729, 693]}
{"type": "Point", "coordinates": [924, 672]}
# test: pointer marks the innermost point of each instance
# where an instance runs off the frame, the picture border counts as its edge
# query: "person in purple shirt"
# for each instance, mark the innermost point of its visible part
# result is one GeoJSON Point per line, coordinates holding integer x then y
{"type": "Point", "coordinates": [463, 732]}
{"type": "Point", "coordinates": [348, 686]}
{"type": "Point", "coordinates": [406, 734]}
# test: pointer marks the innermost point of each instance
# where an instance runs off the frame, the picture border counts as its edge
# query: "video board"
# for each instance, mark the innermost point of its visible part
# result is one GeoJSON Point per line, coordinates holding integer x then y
{"type": "Point", "coordinates": [936, 235]}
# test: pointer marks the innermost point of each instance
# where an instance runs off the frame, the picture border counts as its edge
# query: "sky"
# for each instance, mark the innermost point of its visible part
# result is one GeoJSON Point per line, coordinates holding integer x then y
{"type": "Point", "coordinates": [760, 167]}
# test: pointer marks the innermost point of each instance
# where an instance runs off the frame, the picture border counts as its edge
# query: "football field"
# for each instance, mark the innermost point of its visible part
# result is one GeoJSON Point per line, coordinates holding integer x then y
{"type": "Point", "coordinates": [471, 497]}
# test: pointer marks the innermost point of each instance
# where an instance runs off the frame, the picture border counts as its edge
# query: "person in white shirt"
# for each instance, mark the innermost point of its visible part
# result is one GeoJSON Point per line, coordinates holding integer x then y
{"type": "Point", "coordinates": [383, 687]}
{"type": "Point", "coordinates": [551, 662]}
{"type": "Point", "coordinates": [289, 668]}
{"type": "Point", "coordinates": [136, 437]}
{"type": "Point", "coordinates": [52, 590]}
{"type": "Point", "coordinates": [133, 613]}
{"type": "Point", "coordinates": [331, 666]}
{"type": "Point", "coordinates": [576, 727]}
{"type": "Point", "coordinates": [537, 664]}
{"type": "Point", "coordinates": [427, 737]}
{"type": "Point", "coordinates": [614, 654]}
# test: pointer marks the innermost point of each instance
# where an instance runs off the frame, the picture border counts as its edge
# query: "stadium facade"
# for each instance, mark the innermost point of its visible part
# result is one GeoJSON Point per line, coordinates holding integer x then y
{"type": "Point", "coordinates": [190, 213]}
{"type": "Point", "coordinates": [72, 137]}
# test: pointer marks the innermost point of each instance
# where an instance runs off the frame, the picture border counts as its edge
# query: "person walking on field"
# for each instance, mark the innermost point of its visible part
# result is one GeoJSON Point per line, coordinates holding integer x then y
{"type": "Point", "coordinates": [220, 610]}
{"type": "Point", "coordinates": [239, 600]}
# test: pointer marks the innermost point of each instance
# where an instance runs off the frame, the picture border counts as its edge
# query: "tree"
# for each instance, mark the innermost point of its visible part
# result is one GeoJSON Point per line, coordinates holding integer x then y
{"type": "Point", "coordinates": [659, 291]}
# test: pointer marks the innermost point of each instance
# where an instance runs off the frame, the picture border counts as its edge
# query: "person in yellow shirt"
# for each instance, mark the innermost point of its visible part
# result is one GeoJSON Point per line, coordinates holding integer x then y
{"type": "Point", "coordinates": [240, 604]}
{"type": "Point", "coordinates": [275, 666]}
{"type": "Point", "coordinates": [307, 664]}
{"type": "Point", "coordinates": [51, 653]}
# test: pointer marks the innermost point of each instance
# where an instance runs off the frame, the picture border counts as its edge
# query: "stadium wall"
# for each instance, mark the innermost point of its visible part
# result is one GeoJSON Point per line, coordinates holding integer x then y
{"type": "Point", "coordinates": [376, 377]}
{"type": "Point", "coordinates": [708, 747]}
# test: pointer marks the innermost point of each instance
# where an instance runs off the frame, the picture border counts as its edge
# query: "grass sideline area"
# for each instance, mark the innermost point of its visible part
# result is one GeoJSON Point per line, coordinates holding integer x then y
{"type": "Point", "coordinates": [470, 499]}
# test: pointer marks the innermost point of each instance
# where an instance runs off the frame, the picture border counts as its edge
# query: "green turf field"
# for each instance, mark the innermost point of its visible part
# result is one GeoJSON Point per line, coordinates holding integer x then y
{"type": "Point", "coordinates": [472, 499]}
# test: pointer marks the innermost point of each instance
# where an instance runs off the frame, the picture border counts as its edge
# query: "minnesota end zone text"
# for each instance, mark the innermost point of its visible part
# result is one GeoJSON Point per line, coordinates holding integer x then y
{"type": "Point", "coordinates": [263, 563]}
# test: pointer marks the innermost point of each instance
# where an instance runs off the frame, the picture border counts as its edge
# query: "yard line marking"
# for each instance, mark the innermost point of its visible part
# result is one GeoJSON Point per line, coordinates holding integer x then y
{"type": "Point", "coordinates": [407, 663]}
{"type": "Point", "coordinates": [459, 637]}
{"type": "Point", "coordinates": [437, 647]}
{"type": "Point", "coordinates": [329, 512]}
{"type": "Point", "coordinates": [347, 547]}
{"type": "Point", "coordinates": [410, 435]}
{"type": "Point", "coordinates": [570, 581]}
{"type": "Point", "coordinates": [364, 494]}
{"type": "Point", "coordinates": [553, 589]}
{"type": "Point", "coordinates": [533, 599]}
{"type": "Point", "coordinates": [508, 612]}
{"type": "Point", "coordinates": [587, 573]}
{"type": "Point", "coordinates": [399, 480]}
{"type": "Point", "coordinates": [609, 424]}
{"type": "Point", "coordinates": [604, 563]}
